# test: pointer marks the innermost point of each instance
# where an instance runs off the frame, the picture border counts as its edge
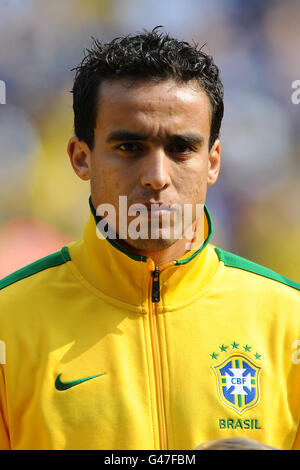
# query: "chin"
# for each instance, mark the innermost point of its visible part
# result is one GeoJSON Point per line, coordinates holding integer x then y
{"type": "Point", "coordinates": [151, 244]}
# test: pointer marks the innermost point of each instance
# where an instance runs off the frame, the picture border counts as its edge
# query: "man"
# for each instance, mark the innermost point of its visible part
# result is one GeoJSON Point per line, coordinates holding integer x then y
{"type": "Point", "coordinates": [121, 341]}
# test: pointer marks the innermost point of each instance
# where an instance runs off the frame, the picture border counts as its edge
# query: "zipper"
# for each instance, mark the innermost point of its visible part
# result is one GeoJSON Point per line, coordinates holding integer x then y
{"type": "Point", "coordinates": [153, 300]}
{"type": "Point", "coordinates": [155, 285]}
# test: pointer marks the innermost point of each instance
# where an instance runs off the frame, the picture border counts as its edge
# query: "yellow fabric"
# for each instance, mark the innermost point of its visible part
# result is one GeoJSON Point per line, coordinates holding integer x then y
{"type": "Point", "coordinates": [94, 315]}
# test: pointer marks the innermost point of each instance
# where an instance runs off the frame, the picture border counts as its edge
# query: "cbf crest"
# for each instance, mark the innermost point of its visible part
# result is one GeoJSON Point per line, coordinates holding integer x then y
{"type": "Point", "coordinates": [238, 380]}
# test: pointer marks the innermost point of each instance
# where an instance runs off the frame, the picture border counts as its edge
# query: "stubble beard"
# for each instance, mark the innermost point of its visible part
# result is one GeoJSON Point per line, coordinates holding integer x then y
{"type": "Point", "coordinates": [159, 239]}
{"type": "Point", "coordinates": [151, 244]}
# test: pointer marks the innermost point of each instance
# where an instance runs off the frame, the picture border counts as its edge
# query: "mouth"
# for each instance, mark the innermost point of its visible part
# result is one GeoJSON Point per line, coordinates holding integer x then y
{"type": "Point", "coordinates": [158, 208]}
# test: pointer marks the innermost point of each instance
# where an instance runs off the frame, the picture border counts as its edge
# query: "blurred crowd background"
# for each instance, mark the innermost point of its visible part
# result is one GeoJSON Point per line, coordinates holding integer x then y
{"type": "Point", "coordinates": [255, 205]}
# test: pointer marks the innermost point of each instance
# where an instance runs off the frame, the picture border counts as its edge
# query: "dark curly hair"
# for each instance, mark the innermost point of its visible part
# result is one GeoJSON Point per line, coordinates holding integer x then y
{"type": "Point", "coordinates": [151, 55]}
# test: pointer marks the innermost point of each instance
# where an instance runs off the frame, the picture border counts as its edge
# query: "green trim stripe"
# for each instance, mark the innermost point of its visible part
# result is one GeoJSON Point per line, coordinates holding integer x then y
{"type": "Point", "coordinates": [210, 232]}
{"type": "Point", "coordinates": [234, 261]}
{"type": "Point", "coordinates": [55, 259]}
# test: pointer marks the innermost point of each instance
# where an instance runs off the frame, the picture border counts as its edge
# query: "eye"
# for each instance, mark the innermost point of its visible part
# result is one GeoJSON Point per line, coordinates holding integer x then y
{"type": "Point", "coordinates": [180, 148]}
{"type": "Point", "coordinates": [130, 147]}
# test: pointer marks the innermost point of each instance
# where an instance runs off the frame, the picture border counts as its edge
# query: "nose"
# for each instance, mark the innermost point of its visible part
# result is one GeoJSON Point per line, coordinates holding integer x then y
{"type": "Point", "coordinates": [156, 170]}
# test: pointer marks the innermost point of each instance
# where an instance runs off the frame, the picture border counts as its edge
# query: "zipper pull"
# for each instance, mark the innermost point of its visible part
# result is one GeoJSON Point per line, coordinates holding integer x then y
{"type": "Point", "coordinates": [155, 285]}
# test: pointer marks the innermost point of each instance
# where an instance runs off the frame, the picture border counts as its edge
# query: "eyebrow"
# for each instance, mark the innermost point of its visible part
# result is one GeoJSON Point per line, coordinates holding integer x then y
{"type": "Point", "coordinates": [122, 135]}
{"type": "Point", "coordinates": [119, 135]}
{"type": "Point", "coordinates": [192, 139]}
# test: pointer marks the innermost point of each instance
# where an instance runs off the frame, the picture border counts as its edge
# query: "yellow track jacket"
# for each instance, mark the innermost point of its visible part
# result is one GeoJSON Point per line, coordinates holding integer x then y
{"type": "Point", "coordinates": [100, 350]}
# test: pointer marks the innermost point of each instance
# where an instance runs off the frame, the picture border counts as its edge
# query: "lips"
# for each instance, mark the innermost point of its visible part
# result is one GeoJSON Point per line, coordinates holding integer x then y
{"type": "Point", "coordinates": [159, 205]}
{"type": "Point", "coordinates": [158, 210]}
{"type": "Point", "coordinates": [149, 210]}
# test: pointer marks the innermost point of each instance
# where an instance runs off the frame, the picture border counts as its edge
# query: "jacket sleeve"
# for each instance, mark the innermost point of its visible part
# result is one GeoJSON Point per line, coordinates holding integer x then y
{"type": "Point", "coordinates": [4, 435]}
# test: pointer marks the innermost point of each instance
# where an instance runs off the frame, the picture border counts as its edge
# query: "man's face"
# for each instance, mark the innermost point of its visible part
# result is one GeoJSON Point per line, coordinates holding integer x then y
{"type": "Point", "coordinates": [151, 145]}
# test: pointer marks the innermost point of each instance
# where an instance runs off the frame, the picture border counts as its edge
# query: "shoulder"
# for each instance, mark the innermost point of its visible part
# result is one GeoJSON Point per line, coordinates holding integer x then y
{"type": "Point", "coordinates": [33, 269]}
{"type": "Point", "coordinates": [260, 275]}
{"type": "Point", "coordinates": [31, 298]}
{"type": "Point", "coordinates": [29, 294]}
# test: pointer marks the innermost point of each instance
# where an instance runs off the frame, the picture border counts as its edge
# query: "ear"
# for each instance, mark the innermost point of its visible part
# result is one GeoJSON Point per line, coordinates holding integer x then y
{"type": "Point", "coordinates": [80, 157]}
{"type": "Point", "coordinates": [214, 162]}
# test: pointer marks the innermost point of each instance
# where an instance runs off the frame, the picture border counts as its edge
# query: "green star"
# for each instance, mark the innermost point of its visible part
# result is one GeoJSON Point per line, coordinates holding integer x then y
{"type": "Point", "coordinates": [257, 356]}
{"type": "Point", "coordinates": [235, 345]}
{"type": "Point", "coordinates": [247, 348]}
{"type": "Point", "coordinates": [214, 355]}
{"type": "Point", "coordinates": [223, 348]}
